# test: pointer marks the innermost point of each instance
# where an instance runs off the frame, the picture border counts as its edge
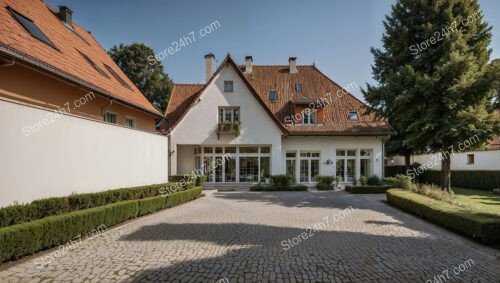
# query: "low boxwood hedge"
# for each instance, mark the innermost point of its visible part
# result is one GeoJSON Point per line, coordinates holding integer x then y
{"type": "Point", "coordinates": [275, 188]}
{"type": "Point", "coordinates": [30, 237]}
{"type": "Point", "coordinates": [39, 209]}
{"type": "Point", "coordinates": [366, 189]}
{"type": "Point", "coordinates": [484, 227]}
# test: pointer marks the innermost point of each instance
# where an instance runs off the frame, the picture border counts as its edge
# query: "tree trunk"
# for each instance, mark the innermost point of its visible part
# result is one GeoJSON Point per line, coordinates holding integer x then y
{"type": "Point", "coordinates": [446, 172]}
{"type": "Point", "coordinates": [407, 162]}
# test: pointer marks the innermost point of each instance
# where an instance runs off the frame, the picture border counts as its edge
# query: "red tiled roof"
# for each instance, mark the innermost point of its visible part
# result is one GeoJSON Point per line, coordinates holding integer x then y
{"type": "Point", "coordinates": [185, 95]}
{"type": "Point", "coordinates": [315, 85]}
{"type": "Point", "coordinates": [66, 62]}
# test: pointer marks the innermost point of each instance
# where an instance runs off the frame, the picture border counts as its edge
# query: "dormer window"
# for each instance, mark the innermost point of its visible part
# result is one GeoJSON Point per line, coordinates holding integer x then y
{"type": "Point", "coordinates": [228, 86]}
{"type": "Point", "coordinates": [353, 116]}
{"type": "Point", "coordinates": [272, 96]}
{"type": "Point", "coordinates": [310, 117]}
{"type": "Point", "coordinates": [298, 87]}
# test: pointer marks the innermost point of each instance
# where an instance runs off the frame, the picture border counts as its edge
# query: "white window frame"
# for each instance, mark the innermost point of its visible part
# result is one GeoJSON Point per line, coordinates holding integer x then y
{"type": "Point", "coordinates": [134, 123]}
{"type": "Point", "coordinates": [231, 119]}
{"type": "Point", "coordinates": [310, 178]}
{"type": "Point", "coordinates": [111, 113]}
{"type": "Point", "coordinates": [312, 113]}
{"type": "Point", "coordinates": [231, 83]}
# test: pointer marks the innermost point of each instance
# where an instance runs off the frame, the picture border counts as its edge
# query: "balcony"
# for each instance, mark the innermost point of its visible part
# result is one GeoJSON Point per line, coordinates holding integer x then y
{"type": "Point", "coordinates": [229, 128]}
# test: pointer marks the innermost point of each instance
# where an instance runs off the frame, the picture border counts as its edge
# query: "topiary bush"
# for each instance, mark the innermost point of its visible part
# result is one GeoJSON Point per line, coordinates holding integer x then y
{"type": "Point", "coordinates": [363, 180]}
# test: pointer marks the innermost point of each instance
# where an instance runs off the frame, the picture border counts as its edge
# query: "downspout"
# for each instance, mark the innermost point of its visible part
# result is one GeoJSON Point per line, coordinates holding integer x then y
{"type": "Point", "coordinates": [104, 108]}
{"type": "Point", "coordinates": [169, 144]}
{"type": "Point", "coordinates": [9, 64]}
{"type": "Point", "coordinates": [383, 158]}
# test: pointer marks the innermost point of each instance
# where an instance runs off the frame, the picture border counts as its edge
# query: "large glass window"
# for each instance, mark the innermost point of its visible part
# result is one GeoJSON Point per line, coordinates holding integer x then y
{"type": "Point", "coordinates": [234, 164]}
{"type": "Point", "coordinates": [309, 166]}
{"type": "Point", "coordinates": [249, 169]}
{"type": "Point", "coordinates": [230, 170]}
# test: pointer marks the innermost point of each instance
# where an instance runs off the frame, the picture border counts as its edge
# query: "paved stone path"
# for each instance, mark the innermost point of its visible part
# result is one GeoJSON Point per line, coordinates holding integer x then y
{"type": "Point", "coordinates": [264, 237]}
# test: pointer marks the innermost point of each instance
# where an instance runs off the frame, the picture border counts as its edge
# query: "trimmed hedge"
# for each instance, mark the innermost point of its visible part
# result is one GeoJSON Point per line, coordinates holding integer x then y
{"type": "Point", "coordinates": [484, 227]}
{"type": "Point", "coordinates": [27, 238]}
{"type": "Point", "coordinates": [274, 188]}
{"type": "Point", "coordinates": [366, 189]}
{"type": "Point", "coordinates": [38, 209]}
{"type": "Point", "coordinates": [284, 181]}
{"type": "Point", "coordinates": [187, 181]}
{"type": "Point", "coordinates": [478, 179]}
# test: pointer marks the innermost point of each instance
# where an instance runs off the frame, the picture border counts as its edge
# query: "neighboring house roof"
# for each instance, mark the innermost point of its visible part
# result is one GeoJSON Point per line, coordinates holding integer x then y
{"type": "Point", "coordinates": [315, 85]}
{"type": "Point", "coordinates": [68, 61]}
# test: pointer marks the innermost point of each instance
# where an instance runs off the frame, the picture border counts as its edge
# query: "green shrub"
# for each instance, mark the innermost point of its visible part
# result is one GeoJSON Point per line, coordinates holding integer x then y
{"type": "Point", "coordinates": [363, 180]}
{"type": "Point", "coordinates": [399, 181]}
{"type": "Point", "coordinates": [496, 191]}
{"type": "Point", "coordinates": [324, 187]}
{"type": "Point", "coordinates": [324, 182]}
{"type": "Point", "coordinates": [187, 181]}
{"type": "Point", "coordinates": [182, 197]}
{"type": "Point", "coordinates": [149, 205]}
{"type": "Point", "coordinates": [38, 209]}
{"type": "Point", "coordinates": [285, 181]}
{"type": "Point", "coordinates": [274, 188]}
{"type": "Point", "coordinates": [200, 181]}
{"type": "Point", "coordinates": [366, 189]}
{"type": "Point", "coordinates": [374, 180]}
{"type": "Point", "coordinates": [393, 170]}
{"type": "Point", "coordinates": [30, 237]}
{"type": "Point", "coordinates": [484, 227]}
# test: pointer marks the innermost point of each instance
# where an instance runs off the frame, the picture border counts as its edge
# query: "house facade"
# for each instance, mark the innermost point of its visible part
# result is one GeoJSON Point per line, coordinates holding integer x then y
{"type": "Point", "coordinates": [70, 119]}
{"type": "Point", "coordinates": [248, 122]}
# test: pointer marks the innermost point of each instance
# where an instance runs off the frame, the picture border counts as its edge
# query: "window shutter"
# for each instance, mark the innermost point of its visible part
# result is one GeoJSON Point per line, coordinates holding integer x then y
{"type": "Point", "coordinates": [321, 115]}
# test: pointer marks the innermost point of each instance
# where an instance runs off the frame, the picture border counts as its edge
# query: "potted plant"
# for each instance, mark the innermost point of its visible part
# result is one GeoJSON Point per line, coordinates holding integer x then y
{"type": "Point", "coordinates": [267, 179]}
{"type": "Point", "coordinates": [363, 180]}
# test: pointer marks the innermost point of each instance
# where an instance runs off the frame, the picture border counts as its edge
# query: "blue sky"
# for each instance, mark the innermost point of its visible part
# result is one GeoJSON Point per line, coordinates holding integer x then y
{"type": "Point", "coordinates": [335, 35]}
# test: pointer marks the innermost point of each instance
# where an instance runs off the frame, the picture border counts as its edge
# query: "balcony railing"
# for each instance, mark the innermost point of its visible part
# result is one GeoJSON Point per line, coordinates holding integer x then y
{"type": "Point", "coordinates": [229, 128]}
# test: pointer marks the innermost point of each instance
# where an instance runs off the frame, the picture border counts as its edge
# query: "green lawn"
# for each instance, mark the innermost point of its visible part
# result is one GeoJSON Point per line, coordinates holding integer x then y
{"type": "Point", "coordinates": [482, 201]}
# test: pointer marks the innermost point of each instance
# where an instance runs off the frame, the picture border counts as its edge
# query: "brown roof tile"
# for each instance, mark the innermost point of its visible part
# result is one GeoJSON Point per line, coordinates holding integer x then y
{"type": "Point", "coordinates": [67, 61]}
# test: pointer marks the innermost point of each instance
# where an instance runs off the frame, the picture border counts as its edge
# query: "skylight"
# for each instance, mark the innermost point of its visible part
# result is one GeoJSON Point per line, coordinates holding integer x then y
{"type": "Point", "coordinates": [117, 76]}
{"type": "Point", "coordinates": [32, 28]}
{"type": "Point", "coordinates": [101, 71]}
{"type": "Point", "coordinates": [353, 116]}
{"type": "Point", "coordinates": [298, 87]}
{"type": "Point", "coordinates": [272, 95]}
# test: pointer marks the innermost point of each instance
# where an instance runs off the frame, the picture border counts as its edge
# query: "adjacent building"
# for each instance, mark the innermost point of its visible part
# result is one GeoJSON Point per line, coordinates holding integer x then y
{"type": "Point", "coordinates": [70, 119]}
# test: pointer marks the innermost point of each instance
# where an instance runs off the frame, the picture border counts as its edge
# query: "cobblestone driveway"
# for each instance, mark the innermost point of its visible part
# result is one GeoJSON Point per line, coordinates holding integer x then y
{"type": "Point", "coordinates": [237, 237]}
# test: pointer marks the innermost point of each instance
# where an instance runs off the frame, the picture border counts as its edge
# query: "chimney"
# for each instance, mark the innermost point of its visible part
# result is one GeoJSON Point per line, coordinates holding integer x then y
{"type": "Point", "coordinates": [292, 61]}
{"type": "Point", "coordinates": [209, 65]}
{"type": "Point", "coordinates": [66, 15]}
{"type": "Point", "coordinates": [248, 64]}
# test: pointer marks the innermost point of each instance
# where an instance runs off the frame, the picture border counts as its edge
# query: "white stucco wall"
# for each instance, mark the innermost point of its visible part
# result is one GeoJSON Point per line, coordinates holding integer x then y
{"type": "Point", "coordinates": [199, 125]}
{"type": "Point", "coordinates": [327, 147]}
{"type": "Point", "coordinates": [483, 160]}
{"type": "Point", "coordinates": [73, 154]}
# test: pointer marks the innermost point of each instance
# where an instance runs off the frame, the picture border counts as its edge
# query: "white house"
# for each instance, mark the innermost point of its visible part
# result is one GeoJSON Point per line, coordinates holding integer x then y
{"type": "Point", "coordinates": [248, 121]}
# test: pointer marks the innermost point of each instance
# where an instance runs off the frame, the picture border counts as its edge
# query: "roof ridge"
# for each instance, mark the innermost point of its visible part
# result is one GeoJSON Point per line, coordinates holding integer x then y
{"type": "Point", "coordinates": [188, 84]}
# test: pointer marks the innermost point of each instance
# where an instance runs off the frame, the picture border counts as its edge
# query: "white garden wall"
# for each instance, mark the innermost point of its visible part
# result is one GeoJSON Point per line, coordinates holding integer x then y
{"type": "Point", "coordinates": [71, 154]}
